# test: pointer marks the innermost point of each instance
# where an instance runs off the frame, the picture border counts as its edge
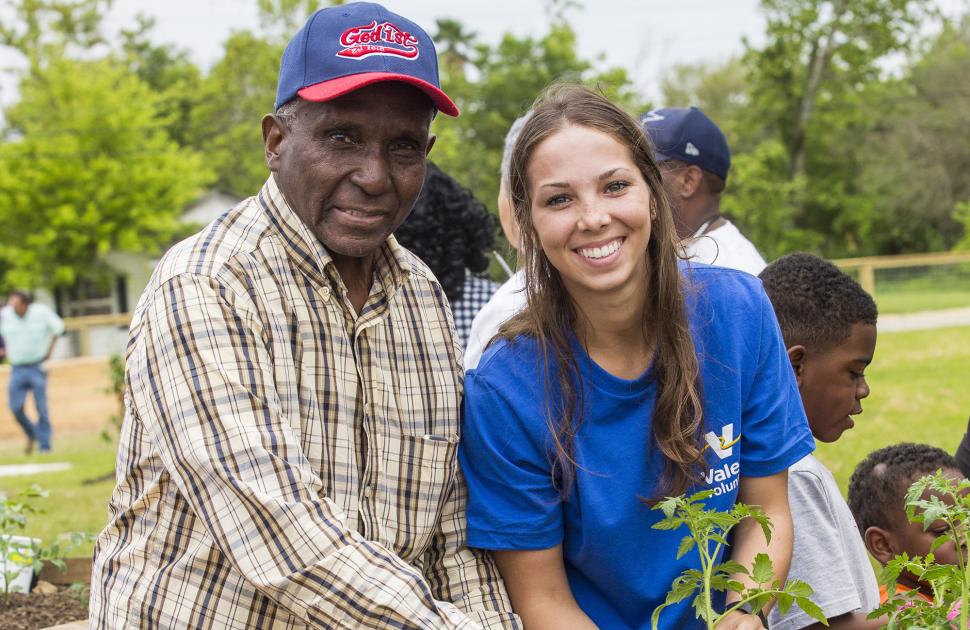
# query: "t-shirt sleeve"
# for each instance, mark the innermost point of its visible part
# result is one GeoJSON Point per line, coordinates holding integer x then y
{"type": "Point", "coordinates": [775, 432]}
{"type": "Point", "coordinates": [512, 503]}
{"type": "Point", "coordinates": [817, 556]}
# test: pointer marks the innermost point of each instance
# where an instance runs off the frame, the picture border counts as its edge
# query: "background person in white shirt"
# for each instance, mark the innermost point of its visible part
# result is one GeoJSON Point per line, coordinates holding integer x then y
{"type": "Point", "coordinates": [29, 331]}
{"type": "Point", "coordinates": [695, 159]}
{"type": "Point", "coordinates": [510, 297]}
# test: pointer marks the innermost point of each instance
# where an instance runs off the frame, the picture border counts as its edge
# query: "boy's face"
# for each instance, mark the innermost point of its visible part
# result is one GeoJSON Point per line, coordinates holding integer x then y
{"type": "Point", "coordinates": [911, 538]}
{"type": "Point", "coordinates": [833, 383]}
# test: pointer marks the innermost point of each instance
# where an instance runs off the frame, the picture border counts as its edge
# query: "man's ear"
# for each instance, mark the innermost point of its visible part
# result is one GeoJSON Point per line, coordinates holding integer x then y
{"type": "Point", "coordinates": [796, 354]}
{"type": "Point", "coordinates": [431, 139]}
{"type": "Point", "coordinates": [690, 181]}
{"type": "Point", "coordinates": [881, 544]}
{"type": "Point", "coordinates": [274, 131]}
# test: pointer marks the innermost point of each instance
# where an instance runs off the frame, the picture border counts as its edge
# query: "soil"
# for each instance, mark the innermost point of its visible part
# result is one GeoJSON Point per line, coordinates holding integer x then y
{"type": "Point", "coordinates": [27, 612]}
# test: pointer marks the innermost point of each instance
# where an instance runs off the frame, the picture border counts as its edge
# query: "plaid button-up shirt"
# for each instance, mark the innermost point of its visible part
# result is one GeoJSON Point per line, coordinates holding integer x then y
{"type": "Point", "coordinates": [286, 462]}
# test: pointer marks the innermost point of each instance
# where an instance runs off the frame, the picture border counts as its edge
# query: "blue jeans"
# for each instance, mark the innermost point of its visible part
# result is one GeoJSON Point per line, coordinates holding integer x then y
{"type": "Point", "coordinates": [31, 377]}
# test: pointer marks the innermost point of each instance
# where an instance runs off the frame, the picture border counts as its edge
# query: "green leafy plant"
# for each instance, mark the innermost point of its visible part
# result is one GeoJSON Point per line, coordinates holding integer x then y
{"type": "Point", "coordinates": [933, 499]}
{"type": "Point", "coordinates": [16, 555]}
{"type": "Point", "coordinates": [116, 375]}
{"type": "Point", "coordinates": [708, 532]}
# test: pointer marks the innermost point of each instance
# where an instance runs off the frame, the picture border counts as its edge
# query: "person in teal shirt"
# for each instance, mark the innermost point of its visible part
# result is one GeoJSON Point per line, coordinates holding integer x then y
{"type": "Point", "coordinates": [29, 331]}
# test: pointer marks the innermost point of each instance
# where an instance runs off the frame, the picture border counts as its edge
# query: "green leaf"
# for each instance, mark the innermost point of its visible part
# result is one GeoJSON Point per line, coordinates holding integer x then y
{"type": "Point", "coordinates": [785, 602]}
{"type": "Point", "coordinates": [798, 588]}
{"type": "Point", "coordinates": [732, 567]}
{"type": "Point", "coordinates": [686, 544]}
{"type": "Point", "coordinates": [762, 571]}
{"type": "Point", "coordinates": [812, 610]}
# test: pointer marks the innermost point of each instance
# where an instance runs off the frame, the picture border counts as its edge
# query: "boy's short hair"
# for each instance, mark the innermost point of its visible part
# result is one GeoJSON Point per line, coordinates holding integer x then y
{"type": "Point", "coordinates": [879, 484]}
{"type": "Point", "coordinates": [816, 303]}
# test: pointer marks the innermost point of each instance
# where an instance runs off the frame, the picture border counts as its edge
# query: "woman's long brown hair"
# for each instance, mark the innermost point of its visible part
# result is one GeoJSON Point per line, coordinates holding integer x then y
{"type": "Point", "coordinates": [551, 316]}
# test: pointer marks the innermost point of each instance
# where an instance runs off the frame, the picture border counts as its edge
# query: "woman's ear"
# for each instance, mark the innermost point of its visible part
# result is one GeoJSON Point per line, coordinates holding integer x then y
{"type": "Point", "coordinates": [881, 543]}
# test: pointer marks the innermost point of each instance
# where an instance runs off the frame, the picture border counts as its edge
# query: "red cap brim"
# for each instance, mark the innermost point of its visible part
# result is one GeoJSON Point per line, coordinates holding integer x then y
{"type": "Point", "coordinates": [334, 88]}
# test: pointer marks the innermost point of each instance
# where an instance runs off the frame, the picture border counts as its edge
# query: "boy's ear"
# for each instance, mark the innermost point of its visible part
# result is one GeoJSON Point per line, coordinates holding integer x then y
{"type": "Point", "coordinates": [796, 354]}
{"type": "Point", "coordinates": [881, 544]}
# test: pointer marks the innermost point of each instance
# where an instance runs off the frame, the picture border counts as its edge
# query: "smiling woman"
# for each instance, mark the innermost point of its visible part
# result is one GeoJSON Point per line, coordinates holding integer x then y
{"type": "Point", "coordinates": [615, 385]}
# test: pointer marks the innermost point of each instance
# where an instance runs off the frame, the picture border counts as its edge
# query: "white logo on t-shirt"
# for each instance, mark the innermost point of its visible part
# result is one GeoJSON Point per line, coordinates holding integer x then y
{"type": "Point", "coordinates": [723, 445]}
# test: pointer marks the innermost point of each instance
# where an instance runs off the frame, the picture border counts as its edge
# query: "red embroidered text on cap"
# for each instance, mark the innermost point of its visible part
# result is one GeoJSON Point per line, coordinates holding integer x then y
{"type": "Point", "coordinates": [378, 39]}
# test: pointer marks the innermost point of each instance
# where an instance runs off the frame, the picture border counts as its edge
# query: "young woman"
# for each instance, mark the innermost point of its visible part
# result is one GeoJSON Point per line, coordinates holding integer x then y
{"type": "Point", "coordinates": [629, 376]}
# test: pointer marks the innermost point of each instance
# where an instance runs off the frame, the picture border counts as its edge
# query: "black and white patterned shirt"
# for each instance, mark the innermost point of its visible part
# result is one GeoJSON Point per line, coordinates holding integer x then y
{"type": "Point", "coordinates": [477, 291]}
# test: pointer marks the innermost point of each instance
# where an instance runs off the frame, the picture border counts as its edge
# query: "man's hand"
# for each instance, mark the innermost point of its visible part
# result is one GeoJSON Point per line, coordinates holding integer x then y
{"type": "Point", "coordinates": [738, 620]}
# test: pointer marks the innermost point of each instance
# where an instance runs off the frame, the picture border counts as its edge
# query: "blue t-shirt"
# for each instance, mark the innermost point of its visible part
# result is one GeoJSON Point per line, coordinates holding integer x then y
{"type": "Point", "coordinates": [619, 567]}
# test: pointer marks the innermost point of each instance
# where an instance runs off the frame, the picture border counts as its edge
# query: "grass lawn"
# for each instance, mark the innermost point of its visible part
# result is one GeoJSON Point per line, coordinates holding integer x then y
{"type": "Point", "coordinates": [913, 289]}
{"type": "Point", "coordinates": [913, 300]}
{"type": "Point", "coordinates": [919, 393]}
{"type": "Point", "coordinates": [72, 505]}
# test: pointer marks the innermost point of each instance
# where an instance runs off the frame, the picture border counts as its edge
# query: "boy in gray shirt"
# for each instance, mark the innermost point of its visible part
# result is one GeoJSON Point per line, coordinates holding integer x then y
{"type": "Point", "coordinates": [829, 326]}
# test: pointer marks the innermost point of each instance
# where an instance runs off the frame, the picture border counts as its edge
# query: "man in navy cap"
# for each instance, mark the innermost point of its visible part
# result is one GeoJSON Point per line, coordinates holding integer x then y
{"type": "Point", "coordinates": [694, 160]}
{"type": "Point", "coordinates": [293, 385]}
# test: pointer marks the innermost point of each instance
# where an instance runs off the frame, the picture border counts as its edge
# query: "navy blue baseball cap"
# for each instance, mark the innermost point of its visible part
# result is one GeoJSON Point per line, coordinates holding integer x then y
{"type": "Point", "coordinates": [690, 136]}
{"type": "Point", "coordinates": [344, 48]}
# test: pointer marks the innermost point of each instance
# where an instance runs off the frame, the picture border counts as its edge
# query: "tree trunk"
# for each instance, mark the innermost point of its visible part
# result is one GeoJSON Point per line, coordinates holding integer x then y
{"type": "Point", "coordinates": [822, 50]}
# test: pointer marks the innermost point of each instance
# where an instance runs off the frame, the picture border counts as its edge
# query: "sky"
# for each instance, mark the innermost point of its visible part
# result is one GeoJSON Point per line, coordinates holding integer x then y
{"type": "Point", "coordinates": [644, 36]}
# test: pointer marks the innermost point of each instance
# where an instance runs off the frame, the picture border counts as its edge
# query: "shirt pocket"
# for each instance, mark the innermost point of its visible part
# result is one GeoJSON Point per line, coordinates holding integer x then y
{"type": "Point", "coordinates": [419, 472]}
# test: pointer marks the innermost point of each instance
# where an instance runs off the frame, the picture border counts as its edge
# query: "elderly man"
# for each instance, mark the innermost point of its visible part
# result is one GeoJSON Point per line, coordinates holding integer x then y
{"type": "Point", "coordinates": [695, 159]}
{"type": "Point", "coordinates": [288, 453]}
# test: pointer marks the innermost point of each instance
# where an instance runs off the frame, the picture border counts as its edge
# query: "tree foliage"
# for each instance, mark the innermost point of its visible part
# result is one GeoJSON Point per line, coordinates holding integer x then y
{"type": "Point", "coordinates": [232, 100]}
{"type": "Point", "coordinates": [93, 170]}
{"type": "Point", "coordinates": [497, 85]}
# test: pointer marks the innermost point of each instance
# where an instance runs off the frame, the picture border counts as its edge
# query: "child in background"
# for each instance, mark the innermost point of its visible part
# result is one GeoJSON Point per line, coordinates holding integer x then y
{"type": "Point", "coordinates": [829, 326]}
{"type": "Point", "coordinates": [877, 494]}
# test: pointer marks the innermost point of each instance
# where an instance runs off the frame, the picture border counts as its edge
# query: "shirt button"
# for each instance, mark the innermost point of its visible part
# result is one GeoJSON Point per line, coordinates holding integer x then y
{"type": "Point", "coordinates": [325, 293]}
{"type": "Point", "coordinates": [369, 491]}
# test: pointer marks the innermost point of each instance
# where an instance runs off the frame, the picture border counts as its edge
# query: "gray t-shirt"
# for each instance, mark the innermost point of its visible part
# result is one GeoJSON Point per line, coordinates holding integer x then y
{"type": "Point", "coordinates": [828, 553]}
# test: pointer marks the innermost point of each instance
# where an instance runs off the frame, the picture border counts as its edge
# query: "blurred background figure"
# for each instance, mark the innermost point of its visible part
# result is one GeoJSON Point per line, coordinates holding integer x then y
{"type": "Point", "coordinates": [694, 160]}
{"type": "Point", "coordinates": [30, 331]}
{"type": "Point", "coordinates": [452, 232]}
{"type": "Point", "coordinates": [510, 297]}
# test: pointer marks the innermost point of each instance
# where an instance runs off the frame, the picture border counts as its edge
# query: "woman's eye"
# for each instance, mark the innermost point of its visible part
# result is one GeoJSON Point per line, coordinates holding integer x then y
{"type": "Point", "coordinates": [617, 186]}
{"type": "Point", "coordinates": [557, 200]}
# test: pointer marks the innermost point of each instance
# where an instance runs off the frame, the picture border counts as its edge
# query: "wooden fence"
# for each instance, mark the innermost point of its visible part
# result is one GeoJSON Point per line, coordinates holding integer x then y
{"type": "Point", "coordinates": [867, 266]}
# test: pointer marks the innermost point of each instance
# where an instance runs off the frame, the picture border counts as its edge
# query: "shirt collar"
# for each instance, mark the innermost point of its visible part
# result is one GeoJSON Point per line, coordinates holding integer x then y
{"type": "Point", "coordinates": [392, 263]}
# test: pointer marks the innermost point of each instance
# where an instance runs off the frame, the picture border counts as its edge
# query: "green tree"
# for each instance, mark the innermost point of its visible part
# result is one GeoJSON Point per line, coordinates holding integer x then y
{"type": "Point", "coordinates": [917, 153]}
{"type": "Point", "coordinates": [233, 98]}
{"type": "Point", "coordinates": [720, 89]}
{"type": "Point", "coordinates": [92, 170]}
{"type": "Point", "coordinates": [41, 28]}
{"type": "Point", "coordinates": [167, 70]}
{"type": "Point", "coordinates": [501, 84]}
{"type": "Point", "coordinates": [813, 88]}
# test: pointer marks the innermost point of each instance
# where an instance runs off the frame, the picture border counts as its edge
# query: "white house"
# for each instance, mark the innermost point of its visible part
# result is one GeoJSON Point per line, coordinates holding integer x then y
{"type": "Point", "coordinates": [131, 273]}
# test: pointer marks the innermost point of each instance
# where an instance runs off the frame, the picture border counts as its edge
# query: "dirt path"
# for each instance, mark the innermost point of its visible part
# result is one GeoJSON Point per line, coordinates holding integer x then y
{"type": "Point", "coordinates": [925, 320]}
{"type": "Point", "coordinates": [77, 398]}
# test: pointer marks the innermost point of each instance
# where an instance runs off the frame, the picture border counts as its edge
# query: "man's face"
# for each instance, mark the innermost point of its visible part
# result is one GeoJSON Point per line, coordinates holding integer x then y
{"type": "Point", "coordinates": [18, 304]}
{"type": "Point", "coordinates": [833, 383]}
{"type": "Point", "coordinates": [351, 168]}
